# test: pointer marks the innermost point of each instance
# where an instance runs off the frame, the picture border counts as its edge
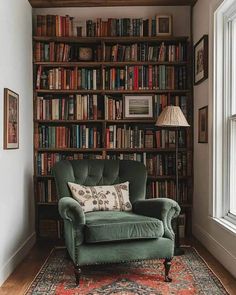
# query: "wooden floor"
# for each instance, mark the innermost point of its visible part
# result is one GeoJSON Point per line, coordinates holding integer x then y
{"type": "Point", "coordinates": [18, 282]}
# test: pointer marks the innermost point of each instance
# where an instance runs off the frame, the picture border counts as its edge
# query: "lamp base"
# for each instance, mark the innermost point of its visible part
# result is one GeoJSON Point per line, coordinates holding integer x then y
{"type": "Point", "coordinates": [178, 251]}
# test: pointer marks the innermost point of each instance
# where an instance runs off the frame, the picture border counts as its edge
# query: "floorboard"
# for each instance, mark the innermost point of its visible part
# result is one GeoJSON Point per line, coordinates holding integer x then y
{"type": "Point", "coordinates": [24, 274]}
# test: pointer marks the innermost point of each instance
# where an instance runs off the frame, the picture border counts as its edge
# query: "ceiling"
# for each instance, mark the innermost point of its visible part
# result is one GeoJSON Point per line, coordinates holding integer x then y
{"type": "Point", "coordinates": [97, 3]}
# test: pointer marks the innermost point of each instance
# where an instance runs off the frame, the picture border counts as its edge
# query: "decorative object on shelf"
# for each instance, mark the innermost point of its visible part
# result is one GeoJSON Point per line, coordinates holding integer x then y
{"type": "Point", "coordinates": [138, 106]}
{"type": "Point", "coordinates": [163, 25]}
{"type": "Point", "coordinates": [85, 53]}
{"type": "Point", "coordinates": [203, 125]}
{"type": "Point", "coordinates": [173, 117]}
{"type": "Point", "coordinates": [11, 119]}
{"type": "Point", "coordinates": [201, 60]}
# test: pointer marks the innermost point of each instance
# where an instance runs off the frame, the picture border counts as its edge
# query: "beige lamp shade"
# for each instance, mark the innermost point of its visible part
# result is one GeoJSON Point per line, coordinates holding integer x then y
{"type": "Point", "coordinates": [172, 116]}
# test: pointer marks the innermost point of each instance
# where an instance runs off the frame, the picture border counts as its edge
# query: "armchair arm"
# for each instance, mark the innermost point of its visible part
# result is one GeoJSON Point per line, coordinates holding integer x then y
{"type": "Point", "coordinates": [162, 208]}
{"type": "Point", "coordinates": [71, 210]}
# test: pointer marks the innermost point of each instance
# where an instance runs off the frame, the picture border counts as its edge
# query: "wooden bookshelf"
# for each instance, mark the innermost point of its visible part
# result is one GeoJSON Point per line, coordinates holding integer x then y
{"type": "Point", "coordinates": [161, 181]}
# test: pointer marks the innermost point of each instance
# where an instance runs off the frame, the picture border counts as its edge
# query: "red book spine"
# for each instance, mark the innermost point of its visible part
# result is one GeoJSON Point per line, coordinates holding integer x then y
{"type": "Point", "coordinates": [135, 78]}
{"type": "Point", "coordinates": [39, 26]}
{"type": "Point", "coordinates": [107, 138]}
{"type": "Point", "coordinates": [149, 77]}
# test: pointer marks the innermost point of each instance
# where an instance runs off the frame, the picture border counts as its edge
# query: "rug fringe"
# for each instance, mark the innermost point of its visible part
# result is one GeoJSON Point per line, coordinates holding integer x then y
{"type": "Point", "coordinates": [208, 266]}
{"type": "Point", "coordinates": [41, 268]}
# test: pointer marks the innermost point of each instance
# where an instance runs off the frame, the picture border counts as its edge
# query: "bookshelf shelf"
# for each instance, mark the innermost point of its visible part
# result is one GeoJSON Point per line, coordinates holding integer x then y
{"type": "Point", "coordinates": [96, 40]}
{"type": "Point", "coordinates": [108, 64]}
{"type": "Point", "coordinates": [69, 121]}
{"type": "Point", "coordinates": [103, 92]}
{"type": "Point", "coordinates": [115, 150]}
{"type": "Point", "coordinates": [81, 103]}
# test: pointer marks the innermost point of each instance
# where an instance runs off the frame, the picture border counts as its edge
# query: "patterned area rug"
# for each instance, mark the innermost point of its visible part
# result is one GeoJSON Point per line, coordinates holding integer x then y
{"type": "Point", "coordinates": [189, 272]}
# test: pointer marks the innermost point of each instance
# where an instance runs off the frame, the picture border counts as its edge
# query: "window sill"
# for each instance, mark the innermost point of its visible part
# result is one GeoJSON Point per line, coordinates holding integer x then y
{"type": "Point", "coordinates": [225, 224]}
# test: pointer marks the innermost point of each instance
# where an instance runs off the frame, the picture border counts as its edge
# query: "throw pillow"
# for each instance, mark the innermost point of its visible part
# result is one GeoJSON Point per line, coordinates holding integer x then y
{"type": "Point", "coordinates": [102, 198]}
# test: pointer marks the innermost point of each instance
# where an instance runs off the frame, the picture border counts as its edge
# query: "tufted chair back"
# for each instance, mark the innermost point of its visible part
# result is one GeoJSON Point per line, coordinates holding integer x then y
{"type": "Point", "coordinates": [101, 172]}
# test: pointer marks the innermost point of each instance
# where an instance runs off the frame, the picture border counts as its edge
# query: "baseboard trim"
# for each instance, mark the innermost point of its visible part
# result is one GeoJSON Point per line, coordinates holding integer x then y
{"type": "Point", "coordinates": [16, 258]}
{"type": "Point", "coordinates": [227, 259]}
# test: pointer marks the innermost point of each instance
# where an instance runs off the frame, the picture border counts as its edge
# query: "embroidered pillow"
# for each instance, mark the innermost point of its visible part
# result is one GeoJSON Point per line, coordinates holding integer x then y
{"type": "Point", "coordinates": [102, 198]}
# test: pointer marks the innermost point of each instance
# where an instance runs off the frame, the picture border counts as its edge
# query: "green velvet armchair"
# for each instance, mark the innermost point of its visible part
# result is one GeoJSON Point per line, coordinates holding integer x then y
{"type": "Point", "coordinates": [111, 236]}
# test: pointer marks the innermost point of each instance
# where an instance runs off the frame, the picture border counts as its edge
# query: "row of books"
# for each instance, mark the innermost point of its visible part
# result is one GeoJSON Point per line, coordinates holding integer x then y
{"type": "Point", "coordinates": [45, 161]}
{"type": "Point", "coordinates": [145, 77]}
{"type": "Point", "coordinates": [146, 52]}
{"type": "Point", "coordinates": [72, 107]}
{"type": "Point", "coordinates": [113, 108]}
{"type": "Point", "coordinates": [116, 136]}
{"type": "Point", "coordinates": [51, 229]}
{"type": "Point", "coordinates": [127, 78]}
{"type": "Point", "coordinates": [65, 26]}
{"type": "Point", "coordinates": [62, 52]}
{"type": "Point", "coordinates": [74, 136]}
{"type": "Point", "coordinates": [46, 191]}
{"type": "Point", "coordinates": [167, 189]}
{"type": "Point", "coordinates": [66, 78]}
{"type": "Point", "coordinates": [122, 27]}
{"type": "Point", "coordinates": [155, 189]}
{"type": "Point", "coordinates": [156, 164]}
{"type": "Point", "coordinates": [54, 25]}
{"type": "Point", "coordinates": [93, 107]}
{"type": "Point", "coordinates": [163, 100]}
{"type": "Point", "coordinates": [164, 164]}
{"type": "Point", "coordinates": [129, 136]}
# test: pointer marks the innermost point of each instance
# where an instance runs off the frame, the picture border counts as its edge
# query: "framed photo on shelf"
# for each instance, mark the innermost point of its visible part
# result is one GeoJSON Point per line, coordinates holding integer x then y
{"type": "Point", "coordinates": [138, 106]}
{"type": "Point", "coordinates": [163, 25]}
{"type": "Point", "coordinates": [201, 60]}
{"type": "Point", "coordinates": [11, 119]}
{"type": "Point", "coordinates": [203, 125]}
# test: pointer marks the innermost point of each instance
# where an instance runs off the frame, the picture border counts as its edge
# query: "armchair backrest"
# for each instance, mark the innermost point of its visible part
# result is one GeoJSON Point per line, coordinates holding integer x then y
{"type": "Point", "coordinates": [101, 172]}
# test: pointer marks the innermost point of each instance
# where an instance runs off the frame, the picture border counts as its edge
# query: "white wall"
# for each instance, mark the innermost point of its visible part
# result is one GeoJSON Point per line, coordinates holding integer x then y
{"type": "Point", "coordinates": [181, 15]}
{"type": "Point", "coordinates": [220, 242]}
{"type": "Point", "coordinates": [16, 166]}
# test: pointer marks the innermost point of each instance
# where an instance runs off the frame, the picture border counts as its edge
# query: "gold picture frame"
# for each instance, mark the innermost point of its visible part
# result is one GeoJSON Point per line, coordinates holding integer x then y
{"type": "Point", "coordinates": [164, 25]}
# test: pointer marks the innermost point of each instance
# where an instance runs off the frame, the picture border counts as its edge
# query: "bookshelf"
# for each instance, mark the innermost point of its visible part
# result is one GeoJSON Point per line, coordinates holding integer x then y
{"type": "Point", "coordinates": [79, 108]}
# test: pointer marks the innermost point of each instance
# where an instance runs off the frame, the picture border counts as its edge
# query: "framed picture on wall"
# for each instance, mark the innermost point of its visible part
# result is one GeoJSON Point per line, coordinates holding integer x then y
{"type": "Point", "coordinates": [138, 106]}
{"type": "Point", "coordinates": [201, 60]}
{"type": "Point", "coordinates": [11, 119]}
{"type": "Point", "coordinates": [203, 125]}
{"type": "Point", "coordinates": [163, 25]}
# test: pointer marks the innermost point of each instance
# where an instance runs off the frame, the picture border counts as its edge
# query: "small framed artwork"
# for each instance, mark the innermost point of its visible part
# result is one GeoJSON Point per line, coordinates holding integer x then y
{"type": "Point", "coordinates": [138, 106]}
{"type": "Point", "coordinates": [201, 60]}
{"type": "Point", "coordinates": [203, 125]}
{"type": "Point", "coordinates": [11, 119]}
{"type": "Point", "coordinates": [163, 25]}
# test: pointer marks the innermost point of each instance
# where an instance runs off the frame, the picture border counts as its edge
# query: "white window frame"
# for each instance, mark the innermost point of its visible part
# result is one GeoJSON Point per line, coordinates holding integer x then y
{"type": "Point", "coordinates": [224, 90]}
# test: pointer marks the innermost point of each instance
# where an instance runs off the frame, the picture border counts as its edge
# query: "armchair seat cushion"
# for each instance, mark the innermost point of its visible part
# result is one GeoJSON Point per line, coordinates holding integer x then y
{"type": "Point", "coordinates": [109, 226]}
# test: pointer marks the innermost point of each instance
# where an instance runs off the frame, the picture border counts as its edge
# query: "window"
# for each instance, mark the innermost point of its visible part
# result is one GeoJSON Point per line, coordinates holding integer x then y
{"type": "Point", "coordinates": [224, 136]}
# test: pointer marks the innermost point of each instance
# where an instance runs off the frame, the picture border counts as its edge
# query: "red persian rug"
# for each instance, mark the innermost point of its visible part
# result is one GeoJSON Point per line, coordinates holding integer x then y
{"type": "Point", "coordinates": [189, 272]}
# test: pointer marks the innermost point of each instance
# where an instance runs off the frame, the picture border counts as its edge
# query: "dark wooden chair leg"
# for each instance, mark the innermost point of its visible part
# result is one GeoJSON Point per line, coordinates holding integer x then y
{"type": "Point", "coordinates": [77, 271]}
{"type": "Point", "coordinates": [167, 264]}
